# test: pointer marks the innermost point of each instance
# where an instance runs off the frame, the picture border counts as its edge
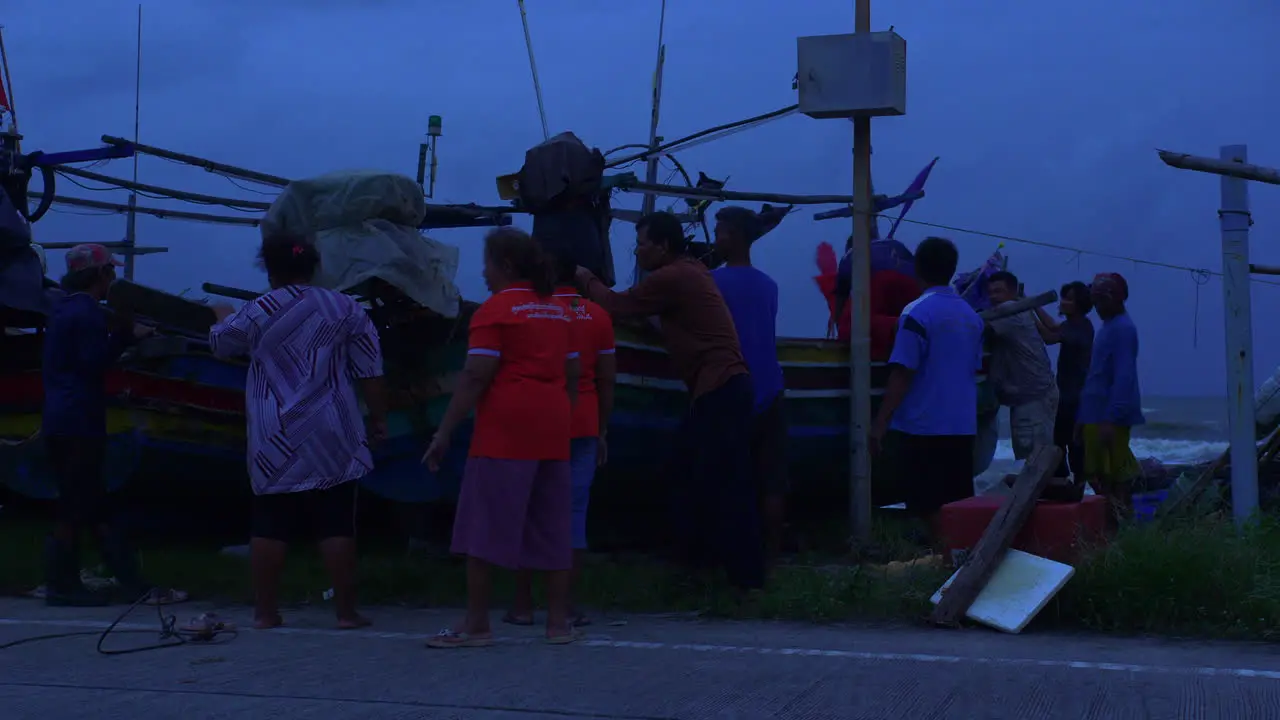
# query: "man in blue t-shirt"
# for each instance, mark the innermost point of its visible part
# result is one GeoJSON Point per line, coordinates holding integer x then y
{"type": "Point", "coordinates": [1111, 399]}
{"type": "Point", "coordinates": [930, 404]}
{"type": "Point", "coordinates": [752, 297]}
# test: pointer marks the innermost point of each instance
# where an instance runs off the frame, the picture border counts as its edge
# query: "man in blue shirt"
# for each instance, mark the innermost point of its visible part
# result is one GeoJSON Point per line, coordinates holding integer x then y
{"type": "Point", "coordinates": [752, 297]}
{"type": "Point", "coordinates": [1111, 401]}
{"type": "Point", "coordinates": [930, 405]}
{"type": "Point", "coordinates": [80, 345]}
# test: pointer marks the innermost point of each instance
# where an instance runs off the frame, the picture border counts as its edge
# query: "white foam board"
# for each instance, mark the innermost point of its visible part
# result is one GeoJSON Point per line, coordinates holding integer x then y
{"type": "Point", "coordinates": [1018, 590]}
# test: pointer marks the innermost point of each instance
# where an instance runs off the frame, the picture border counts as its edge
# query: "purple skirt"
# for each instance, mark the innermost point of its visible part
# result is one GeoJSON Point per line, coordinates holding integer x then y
{"type": "Point", "coordinates": [516, 513]}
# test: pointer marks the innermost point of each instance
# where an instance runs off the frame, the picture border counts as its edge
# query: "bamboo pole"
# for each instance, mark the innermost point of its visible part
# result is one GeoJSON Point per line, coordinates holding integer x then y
{"type": "Point", "coordinates": [167, 192]}
{"type": "Point", "coordinates": [696, 193]}
{"type": "Point", "coordinates": [209, 165]}
{"type": "Point", "coordinates": [860, 317]}
{"type": "Point", "coordinates": [154, 212]}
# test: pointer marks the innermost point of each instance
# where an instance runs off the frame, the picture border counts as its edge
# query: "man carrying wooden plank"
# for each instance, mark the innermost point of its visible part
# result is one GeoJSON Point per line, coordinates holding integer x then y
{"type": "Point", "coordinates": [1020, 370]}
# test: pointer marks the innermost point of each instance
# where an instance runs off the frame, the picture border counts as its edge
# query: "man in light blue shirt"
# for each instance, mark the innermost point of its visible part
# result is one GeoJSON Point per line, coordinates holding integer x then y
{"type": "Point", "coordinates": [752, 297]}
{"type": "Point", "coordinates": [930, 404]}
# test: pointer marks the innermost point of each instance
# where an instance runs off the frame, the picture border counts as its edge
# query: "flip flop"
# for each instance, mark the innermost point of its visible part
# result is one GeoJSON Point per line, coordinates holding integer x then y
{"type": "Point", "coordinates": [580, 620]}
{"type": "Point", "coordinates": [513, 619]}
{"type": "Point", "coordinates": [450, 639]}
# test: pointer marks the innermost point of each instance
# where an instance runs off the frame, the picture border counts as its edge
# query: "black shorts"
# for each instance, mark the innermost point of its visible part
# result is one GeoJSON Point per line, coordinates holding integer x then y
{"type": "Point", "coordinates": [308, 515]}
{"type": "Point", "coordinates": [77, 465]}
{"type": "Point", "coordinates": [769, 448]}
{"type": "Point", "coordinates": [932, 470]}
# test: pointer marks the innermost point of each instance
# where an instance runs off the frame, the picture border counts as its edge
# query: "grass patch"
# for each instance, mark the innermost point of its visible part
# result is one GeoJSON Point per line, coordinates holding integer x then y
{"type": "Point", "coordinates": [1203, 579]}
{"type": "Point", "coordinates": [810, 592]}
{"type": "Point", "coordinates": [1194, 578]}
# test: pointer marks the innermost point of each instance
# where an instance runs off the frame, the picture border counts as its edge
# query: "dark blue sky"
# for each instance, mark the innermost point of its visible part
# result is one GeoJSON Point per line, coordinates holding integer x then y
{"type": "Point", "coordinates": [1046, 116]}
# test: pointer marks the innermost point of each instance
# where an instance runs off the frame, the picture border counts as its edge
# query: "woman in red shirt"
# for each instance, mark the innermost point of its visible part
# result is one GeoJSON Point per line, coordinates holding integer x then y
{"type": "Point", "coordinates": [594, 341]}
{"type": "Point", "coordinates": [521, 378]}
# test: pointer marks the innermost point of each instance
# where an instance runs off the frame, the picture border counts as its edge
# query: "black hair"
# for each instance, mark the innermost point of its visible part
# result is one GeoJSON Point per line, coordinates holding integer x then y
{"type": "Point", "coordinates": [289, 258]}
{"type": "Point", "coordinates": [565, 267]}
{"type": "Point", "coordinates": [1079, 294]}
{"type": "Point", "coordinates": [664, 228]}
{"type": "Point", "coordinates": [936, 259]}
{"type": "Point", "coordinates": [1004, 276]}
{"type": "Point", "coordinates": [745, 223]}
{"type": "Point", "coordinates": [522, 256]}
{"type": "Point", "coordinates": [83, 279]}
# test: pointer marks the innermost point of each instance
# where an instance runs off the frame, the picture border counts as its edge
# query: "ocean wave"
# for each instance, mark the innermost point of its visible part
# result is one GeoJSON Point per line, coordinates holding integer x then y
{"type": "Point", "coordinates": [1169, 451]}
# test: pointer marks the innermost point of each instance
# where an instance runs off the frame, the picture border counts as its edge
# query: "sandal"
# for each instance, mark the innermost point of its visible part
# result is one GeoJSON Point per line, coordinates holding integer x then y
{"type": "Point", "coordinates": [206, 627]}
{"type": "Point", "coordinates": [522, 620]}
{"type": "Point", "coordinates": [580, 620]}
{"type": "Point", "coordinates": [450, 639]}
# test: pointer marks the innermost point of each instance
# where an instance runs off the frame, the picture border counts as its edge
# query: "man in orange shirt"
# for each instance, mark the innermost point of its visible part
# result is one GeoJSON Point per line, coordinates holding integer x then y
{"type": "Point", "coordinates": [592, 332]}
{"type": "Point", "coordinates": [521, 378]}
{"type": "Point", "coordinates": [718, 519]}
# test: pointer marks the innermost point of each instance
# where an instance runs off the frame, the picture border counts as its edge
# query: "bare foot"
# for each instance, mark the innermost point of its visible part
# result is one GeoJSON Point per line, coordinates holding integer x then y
{"type": "Point", "coordinates": [267, 622]}
{"type": "Point", "coordinates": [354, 622]}
{"type": "Point", "coordinates": [561, 635]}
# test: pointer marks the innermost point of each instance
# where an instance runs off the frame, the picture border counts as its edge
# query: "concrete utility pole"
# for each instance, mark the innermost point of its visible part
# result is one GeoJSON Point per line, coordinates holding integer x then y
{"type": "Point", "coordinates": [860, 316]}
{"type": "Point", "coordinates": [1235, 220]}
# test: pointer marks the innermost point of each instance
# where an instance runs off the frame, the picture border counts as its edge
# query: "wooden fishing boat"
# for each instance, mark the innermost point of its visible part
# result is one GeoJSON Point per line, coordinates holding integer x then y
{"type": "Point", "coordinates": [174, 405]}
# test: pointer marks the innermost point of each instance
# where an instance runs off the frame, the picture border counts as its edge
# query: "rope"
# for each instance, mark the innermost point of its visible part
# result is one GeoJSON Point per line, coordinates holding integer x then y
{"type": "Point", "coordinates": [1079, 251]}
{"type": "Point", "coordinates": [1199, 277]}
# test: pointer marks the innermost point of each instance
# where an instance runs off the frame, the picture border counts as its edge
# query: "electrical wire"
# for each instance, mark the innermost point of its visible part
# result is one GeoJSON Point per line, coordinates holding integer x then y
{"type": "Point", "coordinates": [749, 122]}
{"type": "Point", "coordinates": [209, 629]}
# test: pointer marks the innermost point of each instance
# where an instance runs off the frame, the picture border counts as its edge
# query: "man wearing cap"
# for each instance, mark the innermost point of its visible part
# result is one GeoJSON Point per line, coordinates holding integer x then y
{"type": "Point", "coordinates": [1111, 401]}
{"type": "Point", "coordinates": [80, 345]}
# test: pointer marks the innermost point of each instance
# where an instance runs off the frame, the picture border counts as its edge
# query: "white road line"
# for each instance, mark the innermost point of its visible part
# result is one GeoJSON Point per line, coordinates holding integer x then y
{"type": "Point", "coordinates": [602, 641]}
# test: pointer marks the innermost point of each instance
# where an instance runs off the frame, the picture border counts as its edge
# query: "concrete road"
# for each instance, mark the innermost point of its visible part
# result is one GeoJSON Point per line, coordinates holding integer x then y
{"type": "Point", "coordinates": [634, 667]}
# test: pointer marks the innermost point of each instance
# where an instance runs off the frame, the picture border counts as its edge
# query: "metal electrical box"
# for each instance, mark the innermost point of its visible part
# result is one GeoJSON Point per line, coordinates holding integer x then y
{"type": "Point", "coordinates": [854, 75]}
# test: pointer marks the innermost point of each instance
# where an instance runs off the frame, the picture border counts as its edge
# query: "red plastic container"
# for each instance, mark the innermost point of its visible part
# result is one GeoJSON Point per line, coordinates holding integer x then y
{"type": "Point", "coordinates": [1058, 531]}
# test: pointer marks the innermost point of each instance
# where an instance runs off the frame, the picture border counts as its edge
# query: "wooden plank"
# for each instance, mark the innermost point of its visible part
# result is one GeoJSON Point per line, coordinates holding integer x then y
{"type": "Point", "coordinates": [230, 292]}
{"type": "Point", "coordinates": [1017, 306]}
{"type": "Point", "coordinates": [165, 308]}
{"type": "Point", "coordinates": [990, 550]}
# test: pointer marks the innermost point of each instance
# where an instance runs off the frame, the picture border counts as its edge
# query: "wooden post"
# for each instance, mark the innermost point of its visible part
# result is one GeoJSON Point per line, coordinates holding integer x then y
{"type": "Point", "coordinates": [990, 550]}
{"type": "Point", "coordinates": [1234, 219]}
{"type": "Point", "coordinates": [860, 318]}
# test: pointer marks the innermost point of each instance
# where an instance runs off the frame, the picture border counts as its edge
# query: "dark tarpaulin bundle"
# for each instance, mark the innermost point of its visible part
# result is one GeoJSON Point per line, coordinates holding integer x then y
{"type": "Point", "coordinates": [560, 184]}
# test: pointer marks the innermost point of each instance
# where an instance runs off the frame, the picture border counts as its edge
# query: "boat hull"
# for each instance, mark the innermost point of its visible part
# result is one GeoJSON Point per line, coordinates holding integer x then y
{"type": "Point", "coordinates": [181, 416]}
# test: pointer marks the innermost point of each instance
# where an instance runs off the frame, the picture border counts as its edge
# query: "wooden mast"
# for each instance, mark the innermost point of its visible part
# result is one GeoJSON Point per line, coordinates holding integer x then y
{"type": "Point", "coordinates": [651, 162]}
{"type": "Point", "coordinates": [131, 223]}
